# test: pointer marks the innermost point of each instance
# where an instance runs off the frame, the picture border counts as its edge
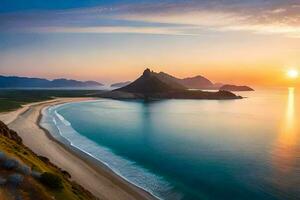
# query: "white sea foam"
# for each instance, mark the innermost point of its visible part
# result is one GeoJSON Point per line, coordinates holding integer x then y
{"type": "Point", "coordinates": [62, 119]}
{"type": "Point", "coordinates": [127, 169]}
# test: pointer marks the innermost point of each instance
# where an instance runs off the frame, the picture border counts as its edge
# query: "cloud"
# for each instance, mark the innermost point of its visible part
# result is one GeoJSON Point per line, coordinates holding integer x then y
{"type": "Point", "coordinates": [165, 17]}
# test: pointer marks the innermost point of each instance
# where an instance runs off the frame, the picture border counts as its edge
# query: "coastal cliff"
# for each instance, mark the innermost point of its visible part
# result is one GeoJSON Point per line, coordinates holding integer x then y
{"type": "Point", "coordinates": [26, 175]}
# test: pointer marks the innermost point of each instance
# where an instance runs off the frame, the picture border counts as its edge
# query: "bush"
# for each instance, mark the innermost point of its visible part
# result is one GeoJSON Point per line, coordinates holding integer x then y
{"type": "Point", "coordinates": [36, 174]}
{"type": "Point", "coordinates": [65, 173]}
{"type": "Point", "coordinates": [2, 156]}
{"type": "Point", "coordinates": [24, 169]}
{"type": "Point", "coordinates": [10, 164]}
{"type": "Point", "coordinates": [51, 180]}
{"type": "Point", "coordinates": [15, 180]}
{"type": "Point", "coordinates": [44, 159]}
{"type": "Point", "coordinates": [2, 181]}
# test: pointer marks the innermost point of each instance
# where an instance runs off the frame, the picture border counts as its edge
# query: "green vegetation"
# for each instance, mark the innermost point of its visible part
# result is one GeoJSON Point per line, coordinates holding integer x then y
{"type": "Point", "coordinates": [51, 180]}
{"type": "Point", "coordinates": [8, 105]}
{"type": "Point", "coordinates": [11, 99]}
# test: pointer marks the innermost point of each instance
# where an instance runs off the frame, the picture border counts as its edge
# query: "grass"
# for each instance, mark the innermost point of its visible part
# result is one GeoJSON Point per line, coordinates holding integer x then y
{"type": "Point", "coordinates": [8, 105]}
{"type": "Point", "coordinates": [11, 99]}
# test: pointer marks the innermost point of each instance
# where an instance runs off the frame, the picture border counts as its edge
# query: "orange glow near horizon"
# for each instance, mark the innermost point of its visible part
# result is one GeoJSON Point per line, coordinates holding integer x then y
{"type": "Point", "coordinates": [242, 46]}
{"type": "Point", "coordinates": [223, 60]}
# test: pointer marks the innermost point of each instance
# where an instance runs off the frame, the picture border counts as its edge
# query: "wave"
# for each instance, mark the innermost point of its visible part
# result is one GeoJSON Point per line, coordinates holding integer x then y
{"type": "Point", "coordinates": [62, 130]}
{"type": "Point", "coordinates": [62, 119]}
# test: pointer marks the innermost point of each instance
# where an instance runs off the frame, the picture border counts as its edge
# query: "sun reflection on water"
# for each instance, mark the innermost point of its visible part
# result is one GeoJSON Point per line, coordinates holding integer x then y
{"type": "Point", "coordinates": [286, 149]}
{"type": "Point", "coordinates": [290, 111]}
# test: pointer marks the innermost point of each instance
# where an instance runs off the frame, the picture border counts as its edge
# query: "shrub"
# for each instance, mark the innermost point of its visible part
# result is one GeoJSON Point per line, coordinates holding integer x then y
{"type": "Point", "coordinates": [2, 181]}
{"type": "Point", "coordinates": [10, 164]}
{"type": "Point", "coordinates": [51, 180]}
{"type": "Point", "coordinates": [65, 173]}
{"type": "Point", "coordinates": [24, 169]}
{"type": "Point", "coordinates": [2, 156]}
{"type": "Point", "coordinates": [36, 174]}
{"type": "Point", "coordinates": [18, 197]}
{"type": "Point", "coordinates": [44, 159]}
{"type": "Point", "coordinates": [15, 180]}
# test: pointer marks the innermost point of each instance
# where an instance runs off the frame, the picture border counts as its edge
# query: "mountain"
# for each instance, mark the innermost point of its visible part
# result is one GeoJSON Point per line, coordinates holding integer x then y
{"type": "Point", "coordinates": [148, 83]}
{"type": "Point", "coordinates": [152, 85]}
{"type": "Point", "coordinates": [170, 80]}
{"type": "Point", "coordinates": [25, 82]}
{"type": "Point", "coordinates": [120, 84]}
{"type": "Point", "coordinates": [197, 82]}
{"type": "Point", "coordinates": [218, 85]}
{"type": "Point", "coordinates": [236, 88]}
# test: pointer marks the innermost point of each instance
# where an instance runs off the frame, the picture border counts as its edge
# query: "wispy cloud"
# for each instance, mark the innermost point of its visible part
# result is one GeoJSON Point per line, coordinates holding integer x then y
{"type": "Point", "coordinates": [165, 17]}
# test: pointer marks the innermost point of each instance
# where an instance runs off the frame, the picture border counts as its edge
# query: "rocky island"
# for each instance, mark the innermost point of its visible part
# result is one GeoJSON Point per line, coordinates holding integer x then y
{"type": "Point", "coordinates": [153, 85]}
{"type": "Point", "coordinates": [236, 88]}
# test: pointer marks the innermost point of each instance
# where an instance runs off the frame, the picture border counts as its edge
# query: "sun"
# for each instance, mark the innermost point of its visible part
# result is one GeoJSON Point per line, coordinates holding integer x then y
{"type": "Point", "coordinates": [292, 73]}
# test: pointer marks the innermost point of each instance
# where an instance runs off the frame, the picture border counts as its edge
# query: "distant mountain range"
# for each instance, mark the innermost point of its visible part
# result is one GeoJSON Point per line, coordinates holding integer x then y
{"type": "Point", "coordinates": [25, 82]}
{"type": "Point", "coordinates": [197, 82]}
{"type": "Point", "coordinates": [152, 85]}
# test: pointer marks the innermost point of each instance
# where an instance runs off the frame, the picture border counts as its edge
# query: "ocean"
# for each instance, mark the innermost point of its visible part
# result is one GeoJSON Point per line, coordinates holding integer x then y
{"type": "Point", "coordinates": [192, 149]}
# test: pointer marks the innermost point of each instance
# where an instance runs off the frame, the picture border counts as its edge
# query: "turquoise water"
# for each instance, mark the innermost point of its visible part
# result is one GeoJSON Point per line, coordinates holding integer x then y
{"type": "Point", "coordinates": [192, 149]}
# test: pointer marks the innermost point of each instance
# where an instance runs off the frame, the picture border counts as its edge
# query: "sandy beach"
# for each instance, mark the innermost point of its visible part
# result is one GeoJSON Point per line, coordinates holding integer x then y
{"type": "Point", "coordinates": [99, 180]}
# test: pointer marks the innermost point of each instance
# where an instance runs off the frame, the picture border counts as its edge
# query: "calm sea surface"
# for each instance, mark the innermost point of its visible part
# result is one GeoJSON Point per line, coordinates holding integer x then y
{"type": "Point", "coordinates": [193, 149]}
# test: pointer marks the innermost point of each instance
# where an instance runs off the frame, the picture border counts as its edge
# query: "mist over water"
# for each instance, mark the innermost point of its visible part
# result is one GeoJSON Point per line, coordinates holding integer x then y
{"type": "Point", "coordinates": [193, 149]}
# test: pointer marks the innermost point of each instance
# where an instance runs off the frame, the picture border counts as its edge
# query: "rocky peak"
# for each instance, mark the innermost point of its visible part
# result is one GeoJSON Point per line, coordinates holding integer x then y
{"type": "Point", "coordinates": [147, 73]}
{"type": "Point", "coordinates": [6, 132]}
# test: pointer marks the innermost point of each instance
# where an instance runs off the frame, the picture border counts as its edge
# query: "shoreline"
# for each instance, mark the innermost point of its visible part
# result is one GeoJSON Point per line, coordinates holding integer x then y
{"type": "Point", "coordinates": [89, 159]}
{"type": "Point", "coordinates": [106, 184]}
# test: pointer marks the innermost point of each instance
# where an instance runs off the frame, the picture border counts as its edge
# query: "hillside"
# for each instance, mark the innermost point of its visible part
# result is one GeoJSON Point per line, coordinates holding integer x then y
{"type": "Point", "coordinates": [197, 82]}
{"type": "Point", "coordinates": [169, 79]}
{"type": "Point", "coordinates": [148, 83]}
{"type": "Point", "coordinates": [25, 175]}
{"type": "Point", "coordinates": [25, 82]}
{"type": "Point", "coordinates": [120, 84]}
{"type": "Point", "coordinates": [153, 85]}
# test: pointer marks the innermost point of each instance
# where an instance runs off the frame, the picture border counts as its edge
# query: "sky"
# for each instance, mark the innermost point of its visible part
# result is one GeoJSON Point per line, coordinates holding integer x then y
{"type": "Point", "coordinates": [250, 42]}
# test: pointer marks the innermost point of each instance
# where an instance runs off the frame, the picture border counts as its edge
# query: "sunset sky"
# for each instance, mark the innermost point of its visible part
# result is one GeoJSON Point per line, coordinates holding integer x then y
{"type": "Point", "coordinates": [250, 42]}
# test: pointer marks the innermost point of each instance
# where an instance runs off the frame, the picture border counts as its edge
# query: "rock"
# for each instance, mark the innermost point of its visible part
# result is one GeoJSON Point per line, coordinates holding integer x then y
{"type": "Point", "coordinates": [5, 131]}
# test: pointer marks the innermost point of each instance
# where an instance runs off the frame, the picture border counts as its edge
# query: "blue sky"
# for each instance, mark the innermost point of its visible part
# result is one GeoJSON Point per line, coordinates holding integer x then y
{"type": "Point", "coordinates": [55, 38]}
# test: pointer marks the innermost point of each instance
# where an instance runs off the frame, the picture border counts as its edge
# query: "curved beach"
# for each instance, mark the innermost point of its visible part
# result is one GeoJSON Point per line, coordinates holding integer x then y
{"type": "Point", "coordinates": [98, 179]}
